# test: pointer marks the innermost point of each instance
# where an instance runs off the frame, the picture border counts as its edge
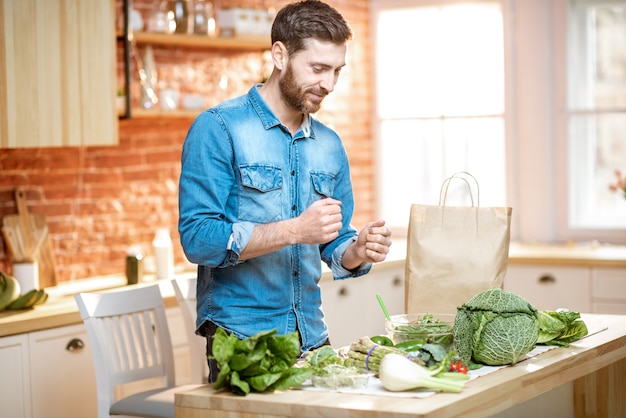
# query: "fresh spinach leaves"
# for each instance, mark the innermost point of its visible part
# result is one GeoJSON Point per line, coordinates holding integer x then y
{"type": "Point", "coordinates": [263, 362]}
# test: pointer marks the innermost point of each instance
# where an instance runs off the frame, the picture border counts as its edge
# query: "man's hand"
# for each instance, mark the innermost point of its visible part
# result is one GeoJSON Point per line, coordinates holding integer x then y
{"type": "Point", "coordinates": [371, 246]}
{"type": "Point", "coordinates": [320, 222]}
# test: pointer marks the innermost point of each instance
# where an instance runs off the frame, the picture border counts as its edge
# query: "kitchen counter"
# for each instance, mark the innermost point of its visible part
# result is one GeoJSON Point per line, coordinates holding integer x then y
{"type": "Point", "coordinates": [568, 254]}
{"type": "Point", "coordinates": [587, 254]}
{"type": "Point", "coordinates": [61, 310]}
{"type": "Point", "coordinates": [596, 365]}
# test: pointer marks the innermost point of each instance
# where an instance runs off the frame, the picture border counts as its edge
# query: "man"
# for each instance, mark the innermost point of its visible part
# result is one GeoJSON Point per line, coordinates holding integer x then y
{"type": "Point", "coordinates": [265, 192]}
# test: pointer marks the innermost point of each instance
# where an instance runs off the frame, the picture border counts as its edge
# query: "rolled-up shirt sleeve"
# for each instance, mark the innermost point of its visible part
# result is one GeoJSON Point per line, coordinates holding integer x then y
{"type": "Point", "coordinates": [338, 271]}
{"type": "Point", "coordinates": [237, 242]}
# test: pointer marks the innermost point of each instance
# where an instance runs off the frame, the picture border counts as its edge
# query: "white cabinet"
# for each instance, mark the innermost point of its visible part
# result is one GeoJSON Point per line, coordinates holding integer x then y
{"type": "Point", "coordinates": [15, 382]}
{"type": "Point", "coordinates": [608, 290]}
{"type": "Point", "coordinates": [350, 306]}
{"type": "Point", "coordinates": [50, 373]}
{"type": "Point", "coordinates": [47, 374]}
{"type": "Point", "coordinates": [63, 380]}
{"type": "Point", "coordinates": [551, 287]}
{"type": "Point", "coordinates": [591, 288]}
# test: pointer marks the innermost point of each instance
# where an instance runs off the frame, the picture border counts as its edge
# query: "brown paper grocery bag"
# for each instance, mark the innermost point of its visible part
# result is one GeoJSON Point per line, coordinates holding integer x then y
{"type": "Point", "coordinates": [454, 252]}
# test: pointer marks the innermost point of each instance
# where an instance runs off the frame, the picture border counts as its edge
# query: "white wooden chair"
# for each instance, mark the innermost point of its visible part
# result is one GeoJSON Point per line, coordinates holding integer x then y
{"type": "Point", "coordinates": [130, 342]}
{"type": "Point", "coordinates": [185, 290]}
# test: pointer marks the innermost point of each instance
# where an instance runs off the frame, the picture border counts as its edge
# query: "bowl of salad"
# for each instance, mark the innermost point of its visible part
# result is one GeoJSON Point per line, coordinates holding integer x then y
{"type": "Point", "coordinates": [427, 328]}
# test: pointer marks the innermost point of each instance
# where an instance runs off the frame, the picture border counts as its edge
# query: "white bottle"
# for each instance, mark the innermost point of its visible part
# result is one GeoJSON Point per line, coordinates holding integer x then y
{"type": "Point", "coordinates": [163, 254]}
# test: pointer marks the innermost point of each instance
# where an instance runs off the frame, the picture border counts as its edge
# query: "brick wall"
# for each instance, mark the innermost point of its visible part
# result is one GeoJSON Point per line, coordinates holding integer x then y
{"type": "Point", "coordinates": [100, 200]}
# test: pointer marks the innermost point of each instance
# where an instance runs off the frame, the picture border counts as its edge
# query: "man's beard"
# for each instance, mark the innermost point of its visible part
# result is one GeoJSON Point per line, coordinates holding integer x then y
{"type": "Point", "coordinates": [295, 96]}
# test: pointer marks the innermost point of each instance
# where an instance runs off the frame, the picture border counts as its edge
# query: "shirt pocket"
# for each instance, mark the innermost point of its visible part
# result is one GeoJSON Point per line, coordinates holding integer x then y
{"type": "Point", "coordinates": [323, 183]}
{"type": "Point", "coordinates": [261, 193]}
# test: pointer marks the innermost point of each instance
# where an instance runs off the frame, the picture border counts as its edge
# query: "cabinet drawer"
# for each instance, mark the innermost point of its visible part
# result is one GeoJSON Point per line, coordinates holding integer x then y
{"type": "Point", "coordinates": [550, 287]}
{"type": "Point", "coordinates": [64, 377]}
{"type": "Point", "coordinates": [609, 283]}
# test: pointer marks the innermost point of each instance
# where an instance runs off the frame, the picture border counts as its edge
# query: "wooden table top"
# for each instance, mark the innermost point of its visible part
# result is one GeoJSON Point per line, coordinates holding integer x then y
{"type": "Point", "coordinates": [481, 397]}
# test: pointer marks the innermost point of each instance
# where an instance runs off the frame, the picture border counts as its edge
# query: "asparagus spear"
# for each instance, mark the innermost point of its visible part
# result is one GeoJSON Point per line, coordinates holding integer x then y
{"type": "Point", "coordinates": [367, 354]}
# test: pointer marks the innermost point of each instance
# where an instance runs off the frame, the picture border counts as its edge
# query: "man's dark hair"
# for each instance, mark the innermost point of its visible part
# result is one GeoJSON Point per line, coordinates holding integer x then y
{"type": "Point", "coordinates": [297, 22]}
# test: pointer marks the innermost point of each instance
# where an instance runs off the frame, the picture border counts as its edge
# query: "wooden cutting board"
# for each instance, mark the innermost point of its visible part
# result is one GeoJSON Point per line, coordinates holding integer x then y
{"type": "Point", "coordinates": [31, 230]}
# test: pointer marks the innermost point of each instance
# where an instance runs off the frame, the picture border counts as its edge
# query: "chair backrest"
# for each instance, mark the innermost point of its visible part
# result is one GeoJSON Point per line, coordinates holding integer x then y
{"type": "Point", "coordinates": [130, 338]}
{"type": "Point", "coordinates": [185, 290]}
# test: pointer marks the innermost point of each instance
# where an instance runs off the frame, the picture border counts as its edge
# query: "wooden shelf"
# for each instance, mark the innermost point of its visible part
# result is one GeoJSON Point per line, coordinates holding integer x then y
{"type": "Point", "coordinates": [234, 43]}
{"type": "Point", "coordinates": [157, 113]}
{"type": "Point", "coordinates": [240, 42]}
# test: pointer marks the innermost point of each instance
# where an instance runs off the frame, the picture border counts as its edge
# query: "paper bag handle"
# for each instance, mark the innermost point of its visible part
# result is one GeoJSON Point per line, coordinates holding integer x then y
{"type": "Point", "coordinates": [461, 175]}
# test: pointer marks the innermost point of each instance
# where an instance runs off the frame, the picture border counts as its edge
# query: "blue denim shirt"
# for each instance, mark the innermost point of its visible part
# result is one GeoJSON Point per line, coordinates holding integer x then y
{"type": "Point", "coordinates": [242, 167]}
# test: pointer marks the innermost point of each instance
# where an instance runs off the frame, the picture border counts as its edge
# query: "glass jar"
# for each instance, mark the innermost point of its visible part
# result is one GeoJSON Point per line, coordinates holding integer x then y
{"type": "Point", "coordinates": [134, 265]}
{"type": "Point", "coordinates": [203, 19]}
{"type": "Point", "coordinates": [180, 11]}
{"type": "Point", "coordinates": [159, 21]}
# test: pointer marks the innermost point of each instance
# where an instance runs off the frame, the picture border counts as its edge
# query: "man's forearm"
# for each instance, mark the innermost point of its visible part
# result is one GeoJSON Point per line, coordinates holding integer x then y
{"type": "Point", "coordinates": [267, 238]}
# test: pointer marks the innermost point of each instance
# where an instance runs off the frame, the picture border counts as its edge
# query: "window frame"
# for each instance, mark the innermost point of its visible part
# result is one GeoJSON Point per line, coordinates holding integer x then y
{"type": "Point", "coordinates": [562, 113]}
{"type": "Point", "coordinates": [535, 117]}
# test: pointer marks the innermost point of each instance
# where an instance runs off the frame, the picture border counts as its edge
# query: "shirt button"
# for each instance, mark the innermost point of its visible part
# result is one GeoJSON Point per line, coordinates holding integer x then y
{"type": "Point", "coordinates": [293, 173]}
{"type": "Point", "coordinates": [295, 273]}
{"type": "Point", "coordinates": [293, 207]}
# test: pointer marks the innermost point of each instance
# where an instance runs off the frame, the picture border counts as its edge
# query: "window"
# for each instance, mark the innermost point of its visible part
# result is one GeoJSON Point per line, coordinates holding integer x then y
{"type": "Point", "coordinates": [440, 94]}
{"type": "Point", "coordinates": [529, 97]}
{"type": "Point", "coordinates": [596, 112]}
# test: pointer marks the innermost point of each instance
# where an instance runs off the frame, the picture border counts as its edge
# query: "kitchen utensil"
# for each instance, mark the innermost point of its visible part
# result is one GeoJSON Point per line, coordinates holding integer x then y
{"type": "Point", "coordinates": [32, 231]}
{"type": "Point", "coordinates": [13, 242]}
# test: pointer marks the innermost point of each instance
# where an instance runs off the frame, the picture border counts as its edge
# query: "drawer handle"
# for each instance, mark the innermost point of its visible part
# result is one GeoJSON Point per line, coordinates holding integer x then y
{"type": "Point", "coordinates": [547, 279]}
{"type": "Point", "coordinates": [75, 344]}
{"type": "Point", "coordinates": [343, 291]}
{"type": "Point", "coordinates": [397, 281]}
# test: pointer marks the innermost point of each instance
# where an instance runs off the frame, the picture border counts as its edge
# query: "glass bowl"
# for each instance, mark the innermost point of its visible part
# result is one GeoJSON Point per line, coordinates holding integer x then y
{"type": "Point", "coordinates": [337, 377]}
{"type": "Point", "coordinates": [428, 328]}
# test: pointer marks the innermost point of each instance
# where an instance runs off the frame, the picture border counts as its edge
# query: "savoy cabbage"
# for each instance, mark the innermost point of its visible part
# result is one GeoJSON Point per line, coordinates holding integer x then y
{"type": "Point", "coordinates": [495, 327]}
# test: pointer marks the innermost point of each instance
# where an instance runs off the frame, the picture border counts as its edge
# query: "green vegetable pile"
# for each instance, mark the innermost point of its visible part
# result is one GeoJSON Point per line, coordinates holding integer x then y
{"type": "Point", "coordinates": [332, 371]}
{"type": "Point", "coordinates": [560, 327]}
{"type": "Point", "coordinates": [261, 363]}
{"type": "Point", "coordinates": [409, 365]}
{"type": "Point", "coordinates": [427, 329]}
{"type": "Point", "coordinates": [496, 328]}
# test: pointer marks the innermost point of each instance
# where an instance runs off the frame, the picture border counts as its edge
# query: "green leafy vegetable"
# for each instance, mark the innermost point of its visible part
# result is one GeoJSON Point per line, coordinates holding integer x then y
{"type": "Point", "coordinates": [560, 327]}
{"type": "Point", "coordinates": [322, 356]}
{"type": "Point", "coordinates": [261, 363]}
{"type": "Point", "coordinates": [496, 328]}
{"type": "Point", "coordinates": [427, 328]}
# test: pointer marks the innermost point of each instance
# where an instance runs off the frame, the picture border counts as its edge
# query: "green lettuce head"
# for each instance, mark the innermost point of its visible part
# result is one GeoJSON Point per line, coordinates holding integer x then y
{"type": "Point", "coordinates": [496, 328]}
